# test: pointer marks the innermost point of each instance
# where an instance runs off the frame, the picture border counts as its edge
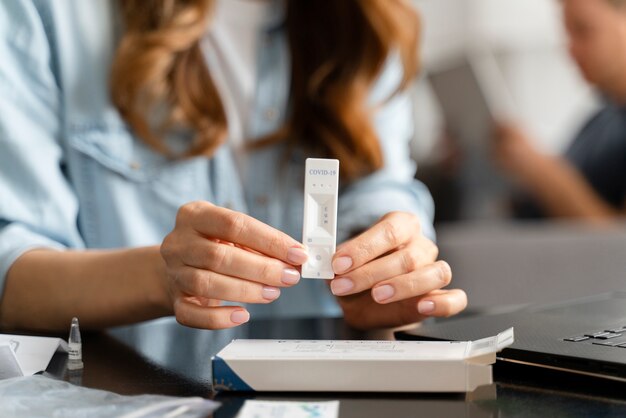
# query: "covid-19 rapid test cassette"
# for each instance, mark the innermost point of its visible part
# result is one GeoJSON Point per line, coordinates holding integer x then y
{"type": "Point", "coordinates": [319, 228]}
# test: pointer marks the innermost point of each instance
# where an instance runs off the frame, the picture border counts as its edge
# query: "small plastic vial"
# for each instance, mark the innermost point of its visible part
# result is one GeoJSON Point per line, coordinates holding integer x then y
{"type": "Point", "coordinates": [75, 350]}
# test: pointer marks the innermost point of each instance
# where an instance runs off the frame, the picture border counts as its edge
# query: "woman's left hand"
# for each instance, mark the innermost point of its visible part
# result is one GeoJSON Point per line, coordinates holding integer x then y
{"type": "Point", "coordinates": [389, 276]}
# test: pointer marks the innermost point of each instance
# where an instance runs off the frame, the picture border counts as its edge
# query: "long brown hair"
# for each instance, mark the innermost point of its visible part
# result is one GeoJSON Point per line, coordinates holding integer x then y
{"type": "Point", "coordinates": [338, 48]}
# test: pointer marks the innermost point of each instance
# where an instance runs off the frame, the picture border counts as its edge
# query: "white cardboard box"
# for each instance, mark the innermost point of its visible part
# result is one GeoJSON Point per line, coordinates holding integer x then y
{"type": "Point", "coordinates": [357, 366]}
{"type": "Point", "coordinates": [32, 354]}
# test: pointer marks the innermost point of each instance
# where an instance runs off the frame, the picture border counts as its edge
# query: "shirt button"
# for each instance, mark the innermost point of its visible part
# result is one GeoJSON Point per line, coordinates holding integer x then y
{"type": "Point", "coordinates": [228, 204]}
{"type": "Point", "coordinates": [135, 165]}
{"type": "Point", "coordinates": [271, 114]}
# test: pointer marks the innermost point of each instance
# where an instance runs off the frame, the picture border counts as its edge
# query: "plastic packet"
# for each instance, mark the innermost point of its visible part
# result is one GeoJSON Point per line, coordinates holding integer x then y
{"type": "Point", "coordinates": [40, 396]}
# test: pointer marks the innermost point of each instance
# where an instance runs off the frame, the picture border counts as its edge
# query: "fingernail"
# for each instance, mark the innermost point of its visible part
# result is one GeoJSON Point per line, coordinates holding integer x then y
{"type": "Point", "coordinates": [290, 276]}
{"type": "Point", "coordinates": [341, 286]}
{"type": "Point", "coordinates": [426, 307]}
{"type": "Point", "coordinates": [270, 293]}
{"type": "Point", "coordinates": [240, 317]}
{"type": "Point", "coordinates": [297, 256]}
{"type": "Point", "coordinates": [341, 264]}
{"type": "Point", "coordinates": [382, 293]}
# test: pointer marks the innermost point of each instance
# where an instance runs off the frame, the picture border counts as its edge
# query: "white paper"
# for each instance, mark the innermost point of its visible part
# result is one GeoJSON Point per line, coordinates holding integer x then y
{"type": "Point", "coordinates": [9, 366]}
{"type": "Point", "coordinates": [289, 409]}
{"type": "Point", "coordinates": [33, 353]}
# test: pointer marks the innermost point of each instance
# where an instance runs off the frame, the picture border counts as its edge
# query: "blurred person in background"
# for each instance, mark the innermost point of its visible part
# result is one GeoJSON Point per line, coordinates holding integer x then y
{"type": "Point", "coordinates": [589, 181]}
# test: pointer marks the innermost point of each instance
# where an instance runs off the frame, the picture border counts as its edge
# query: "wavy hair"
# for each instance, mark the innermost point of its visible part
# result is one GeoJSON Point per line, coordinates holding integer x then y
{"type": "Point", "coordinates": [338, 48]}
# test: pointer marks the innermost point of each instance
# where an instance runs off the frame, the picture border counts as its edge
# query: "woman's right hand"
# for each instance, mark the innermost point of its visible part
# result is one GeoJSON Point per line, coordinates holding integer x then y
{"type": "Point", "coordinates": [215, 254]}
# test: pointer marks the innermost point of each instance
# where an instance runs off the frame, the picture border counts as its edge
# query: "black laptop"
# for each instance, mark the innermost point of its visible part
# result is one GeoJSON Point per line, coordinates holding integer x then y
{"type": "Point", "coordinates": [586, 336]}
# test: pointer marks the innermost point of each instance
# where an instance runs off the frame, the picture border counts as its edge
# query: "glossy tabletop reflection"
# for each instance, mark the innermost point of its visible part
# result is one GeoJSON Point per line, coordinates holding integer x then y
{"type": "Point", "coordinates": [162, 357]}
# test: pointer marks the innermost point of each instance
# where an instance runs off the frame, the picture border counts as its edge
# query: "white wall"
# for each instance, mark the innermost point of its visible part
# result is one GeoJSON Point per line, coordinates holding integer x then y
{"type": "Point", "coordinates": [528, 40]}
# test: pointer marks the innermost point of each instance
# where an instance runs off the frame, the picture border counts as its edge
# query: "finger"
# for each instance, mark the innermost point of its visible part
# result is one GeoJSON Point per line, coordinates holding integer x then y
{"type": "Point", "coordinates": [202, 301]}
{"type": "Point", "coordinates": [392, 231]}
{"type": "Point", "coordinates": [419, 282]}
{"type": "Point", "coordinates": [233, 261]}
{"type": "Point", "coordinates": [222, 317]}
{"type": "Point", "coordinates": [236, 227]}
{"type": "Point", "coordinates": [400, 262]}
{"type": "Point", "coordinates": [210, 285]}
{"type": "Point", "coordinates": [443, 303]}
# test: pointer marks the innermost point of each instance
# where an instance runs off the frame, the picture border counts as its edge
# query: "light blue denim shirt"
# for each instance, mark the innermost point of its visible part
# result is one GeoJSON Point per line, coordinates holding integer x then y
{"type": "Point", "coordinates": [73, 176]}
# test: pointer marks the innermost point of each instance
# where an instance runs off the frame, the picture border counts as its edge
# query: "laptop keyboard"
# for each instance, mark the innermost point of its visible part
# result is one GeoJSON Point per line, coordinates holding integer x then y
{"type": "Point", "coordinates": [610, 337]}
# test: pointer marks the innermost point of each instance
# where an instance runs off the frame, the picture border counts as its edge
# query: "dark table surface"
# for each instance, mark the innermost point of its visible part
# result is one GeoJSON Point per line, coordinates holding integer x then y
{"type": "Point", "coordinates": [162, 357]}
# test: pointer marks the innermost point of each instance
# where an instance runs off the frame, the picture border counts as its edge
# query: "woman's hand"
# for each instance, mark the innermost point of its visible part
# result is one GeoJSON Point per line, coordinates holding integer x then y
{"type": "Point", "coordinates": [216, 254]}
{"type": "Point", "coordinates": [389, 276]}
